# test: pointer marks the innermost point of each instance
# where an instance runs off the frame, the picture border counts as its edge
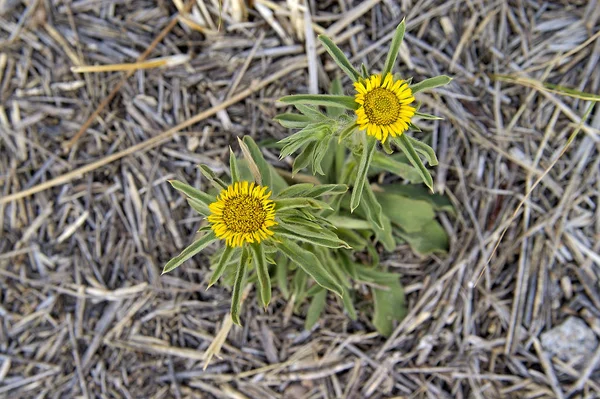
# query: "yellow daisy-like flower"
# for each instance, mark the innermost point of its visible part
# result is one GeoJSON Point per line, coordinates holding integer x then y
{"type": "Point", "coordinates": [242, 213]}
{"type": "Point", "coordinates": [384, 109]}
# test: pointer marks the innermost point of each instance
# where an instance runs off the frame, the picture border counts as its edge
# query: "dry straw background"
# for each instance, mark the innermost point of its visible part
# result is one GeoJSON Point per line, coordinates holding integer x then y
{"type": "Point", "coordinates": [88, 219]}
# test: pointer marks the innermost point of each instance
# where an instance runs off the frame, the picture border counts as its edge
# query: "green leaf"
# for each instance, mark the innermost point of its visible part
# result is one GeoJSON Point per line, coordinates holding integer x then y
{"type": "Point", "coordinates": [317, 304]}
{"type": "Point", "coordinates": [212, 177]}
{"type": "Point", "coordinates": [262, 272]}
{"type": "Point", "coordinates": [347, 131]}
{"type": "Point", "coordinates": [347, 222]}
{"type": "Point", "coordinates": [308, 262]}
{"type": "Point", "coordinates": [190, 251]}
{"type": "Point", "coordinates": [390, 306]}
{"type": "Point", "coordinates": [348, 304]}
{"type": "Point", "coordinates": [282, 204]}
{"type": "Point", "coordinates": [424, 150]}
{"type": "Point", "coordinates": [304, 158]}
{"type": "Point", "coordinates": [369, 145]}
{"type": "Point", "coordinates": [423, 115]}
{"type": "Point", "coordinates": [418, 192]}
{"type": "Point", "coordinates": [199, 206]}
{"type": "Point", "coordinates": [311, 111]}
{"type": "Point", "coordinates": [406, 146]}
{"type": "Point", "coordinates": [312, 132]}
{"type": "Point", "coordinates": [410, 214]}
{"type": "Point", "coordinates": [311, 236]}
{"type": "Point", "coordinates": [318, 154]}
{"type": "Point", "coordinates": [326, 100]}
{"type": "Point", "coordinates": [430, 83]}
{"type": "Point", "coordinates": [293, 121]}
{"type": "Point", "coordinates": [238, 285]}
{"type": "Point", "coordinates": [297, 190]}
{"type": "Point", "coordinates": [337, 90]}
{"type": "Point", "coordinates": [387, 147]}
{"type": "Point", "coordinates": [281, 274]}
{"type": "Point", "coordinates": [340, 58]}
{"type": "Point", "coordinates": [233, 167]}
{"type": "Point", "coordinates": [192, 192]}
{"type": "Point", "coordinates": [372, 207]}
{"type": "Point", "coordinates": [299, 284]}
{"type": "Point", "coordinates": [326, 189]}
{"type": "Point", "coordinates": [432, 238]}
{"type": "Point", "coordinates": [364, 71]}
{"type": "Point", "coordinates": [257, 157]}
{"type": "Point", "coordinates": [394, 49]}
{"type": "Point", "coordinates": [223, 260]}
{"type": "Point", "coordinates": [401, 169]}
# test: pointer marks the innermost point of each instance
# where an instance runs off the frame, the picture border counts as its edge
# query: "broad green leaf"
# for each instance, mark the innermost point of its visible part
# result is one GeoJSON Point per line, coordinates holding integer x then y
{"type": "Point", "coordinates": [374, 275]}
{"type": "Point", "coordinates": [308, 262]}
{"type": "Point", "coordinates": [390, 306]}
{"type": "Point", "coordinates": [430, 83]}
{"type": "Point", "coordinates": [424, 150]}
{"type": "Point", "coordinates": [369, 145]}
{"type": "Point", "coordinates": [340, 58]}
{"type": "Point", "coordinates": [317, 304]}
{"type": "Point", "coordinates": [400, 169]}
{"type": "Point", "coordinates": [293, 121]}
{"type": "Point", "coordinates": [212, 177]}
{"type": "Point", "coordinates": [347, 222]}
{"type": "Point", "coordinates": [372, 207]}
{"type": "Point", "coordinates": [259, 160]}
{"type": "Point", "coordinates": [238, 285]}
{"type": "Point", "coordinates": [223, 260]}
{"type": "Point", "coordinates": [262, 272]}
{"type": "Point", "coordinates": [432, 238]}
{"type": "Point", "coordinates": [199, 206]}
{"type": "Point", "coordinates": [408, 213]}
{"type": "Point", "coordinates": [406, 146]}
{"type": "Point", "coordinates": [233, 167]}
{"type": "Point", "coordinates": [190, 251]}
{"type": "Point", "coordinates": [326, 100]}
{"type": "Point", "coordinates": [418, 192]}
{"type": "Point", "coordinates": [192, 192]}
{"type": "Point", "coordinates": [394, 49]}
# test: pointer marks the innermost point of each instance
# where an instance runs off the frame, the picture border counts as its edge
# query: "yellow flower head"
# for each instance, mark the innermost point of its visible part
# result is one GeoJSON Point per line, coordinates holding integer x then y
{"type": "Point", "coordinates": [242, 213]}
{"type": "Point", "coordinates": [384, 109]}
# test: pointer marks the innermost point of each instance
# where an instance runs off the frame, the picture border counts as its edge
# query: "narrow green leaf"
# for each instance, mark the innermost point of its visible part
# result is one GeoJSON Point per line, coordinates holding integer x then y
{"type": "Point", "coordinates": [326, 189]}
{"type": "Point", "coordinates": [387, 147]}
{"type": "Point", "coordinates": [348, 304]}
{"type": "Point", "coordinates": [310, 111]}
{"type": "Point", "coordinates": [192, 192]}
{"type": "Point", "coordinates": [346, 222]}
{"type": "Point", "coordinates": [401, 169]}
{"type": "Point", "coordinates": [317, 304]}
{"type": "Point", "coordinates": [394, 49]}
{"type": "Point", "coordinates": [369, 144]}
{"type": "Point", "coordinates": [234, 169]}
{"type": "Point", "coordinates": [304, 158]}
{"type": "Point", "coordinates": [297, 190]}
{"type": "Point", "coordinates": [212, 177]}
{"type": "Point", "coordinates": [199, 206]}
{"type": "Point", "coordinates": [312, 132]}
{"type": "Point", "coordinates": [335, 89]}
{"type": "Point", "coordinates": [281, 274]}
{"type": "Point", "coordinates": [340, 58]}
{"type": "Point", "coordinates": [238, 285]}
{"type": "Point", "coordinates": [293, 121]}
{"type": "Point", "coordinates": [262, 272]}
{"type": "Point", "coordinates": [282, 204]}
{"type": "Point", "coordinates": [326, 100]}
{"type": "Point", "coordinates": [372, 207]}
{"type": "Point", "coordinates": [406, 146]}
{"type": "Point", "coordinates": [308, 262]}
{"type": "Point", "coordinates": [431, 83]}
{"type": "Point", "coordinates": [314, 237]}
{"type": "Point", "coordinates": [190, 251]}
{"type": "Point", "coordinates": [259, 160]}
{"type": "Point", "coordinates": [299, 284]}
{"type": "Point", "coordinates": [424, 150]}
{"type": "Point", "coordinates": [223, 260]}
{"type": "Point", "coordinates": [422, 115]}
{"type": "Point", "coordinates": [347, 131]}
{"type": "Point", "coordinates": [364, 71]}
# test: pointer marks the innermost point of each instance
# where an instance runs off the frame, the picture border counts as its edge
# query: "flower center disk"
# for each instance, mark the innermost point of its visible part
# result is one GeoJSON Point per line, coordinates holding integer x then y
{"type": "Point", "coordinates": [381, 106]}
{"type": "Point", "coordinates": [244, 214]}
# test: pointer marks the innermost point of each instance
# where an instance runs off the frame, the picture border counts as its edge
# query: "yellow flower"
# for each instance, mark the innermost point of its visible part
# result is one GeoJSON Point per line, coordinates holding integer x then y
{"type": "Point", "coordinates": [242, 213]}
{"type": "Point", "coordinates": [384, 109]}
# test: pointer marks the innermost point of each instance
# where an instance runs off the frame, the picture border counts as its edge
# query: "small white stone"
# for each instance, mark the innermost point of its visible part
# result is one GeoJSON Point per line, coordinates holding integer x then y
{"type": "Point", "coordinates": [572, 341]}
